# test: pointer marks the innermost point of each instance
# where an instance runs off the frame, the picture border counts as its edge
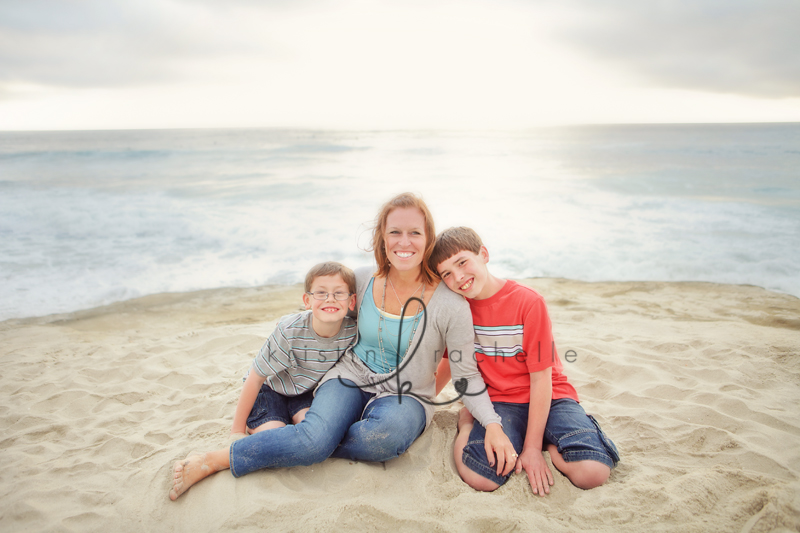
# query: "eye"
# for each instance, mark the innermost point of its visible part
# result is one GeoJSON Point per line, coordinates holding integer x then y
{"type": "Point", "coordinates": [462, 262]}
{"type": "Point", "coordinates": [445, 275]}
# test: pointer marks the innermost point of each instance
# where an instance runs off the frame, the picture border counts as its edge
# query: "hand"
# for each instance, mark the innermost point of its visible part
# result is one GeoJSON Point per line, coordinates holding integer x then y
{"type": "Point", "coordinates": [496, 443]}
{"type": "Point", "coordinates": [539, 474]}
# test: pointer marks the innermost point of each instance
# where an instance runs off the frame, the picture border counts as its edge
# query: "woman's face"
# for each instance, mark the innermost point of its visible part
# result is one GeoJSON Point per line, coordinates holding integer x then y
{"type": "Point", "coordinates": [405, 238]}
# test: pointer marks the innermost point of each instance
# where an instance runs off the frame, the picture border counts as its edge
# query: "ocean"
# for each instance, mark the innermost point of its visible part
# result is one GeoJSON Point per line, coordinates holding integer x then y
{"type": "Point", "coordinates": [93, 217]}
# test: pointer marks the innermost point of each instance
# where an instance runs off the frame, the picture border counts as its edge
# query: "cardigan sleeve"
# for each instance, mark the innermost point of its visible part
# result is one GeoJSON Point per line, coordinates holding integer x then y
{"type": "Point", "coordinates": [460, 340]}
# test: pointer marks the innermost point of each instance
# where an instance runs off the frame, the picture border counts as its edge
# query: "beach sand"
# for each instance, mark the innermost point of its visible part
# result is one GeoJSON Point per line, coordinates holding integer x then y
{"type": "Point", "coordinates": [697, 383]}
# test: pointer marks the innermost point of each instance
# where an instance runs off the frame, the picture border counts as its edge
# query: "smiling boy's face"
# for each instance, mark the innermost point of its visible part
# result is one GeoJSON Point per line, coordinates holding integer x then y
{"type": "Point", "coordinates": [329, 310]}
{"type": "Point", "coordinates": [465, 273]}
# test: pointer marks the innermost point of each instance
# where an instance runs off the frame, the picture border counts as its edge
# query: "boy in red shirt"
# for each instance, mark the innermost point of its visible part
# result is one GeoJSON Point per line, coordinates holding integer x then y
{"type": "Point", "coordinates": [517, 358]}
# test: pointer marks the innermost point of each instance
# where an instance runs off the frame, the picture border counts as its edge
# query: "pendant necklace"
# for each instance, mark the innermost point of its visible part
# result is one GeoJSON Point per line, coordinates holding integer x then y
{"type": "Point", "coordinates": [398, 297]}
{"type": "Point", "coordinates": [381, 322]}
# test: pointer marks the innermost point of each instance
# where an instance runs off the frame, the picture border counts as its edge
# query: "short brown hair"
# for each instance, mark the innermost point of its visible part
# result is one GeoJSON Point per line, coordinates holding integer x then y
{"type": "Point", "coordinates": [451, 241]}
{"type": "Point", "coordinates": [331, 268]}
{"type": "Point", "coordinates": [404, 200]}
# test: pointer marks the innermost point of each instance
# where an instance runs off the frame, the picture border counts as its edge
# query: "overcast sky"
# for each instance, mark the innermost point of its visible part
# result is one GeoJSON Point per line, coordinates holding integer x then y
{"type": "Point", "coordinates": [74, 64]}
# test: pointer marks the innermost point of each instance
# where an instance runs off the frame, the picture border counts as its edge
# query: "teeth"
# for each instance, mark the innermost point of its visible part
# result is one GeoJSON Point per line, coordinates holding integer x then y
{"type": "Point", "coordinates": [404, 255]}
{"type": "Point", "coordinates": [467, 285]}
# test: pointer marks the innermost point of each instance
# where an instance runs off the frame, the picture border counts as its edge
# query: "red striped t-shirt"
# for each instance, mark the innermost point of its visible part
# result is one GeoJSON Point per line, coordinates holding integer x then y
{"type": "Point", "coordinates": [514, 338]}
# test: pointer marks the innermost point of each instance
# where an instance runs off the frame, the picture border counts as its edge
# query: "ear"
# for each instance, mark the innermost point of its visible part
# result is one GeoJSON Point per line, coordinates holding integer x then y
{"type": "Point", "coordinates": [307, 300]}
{"type": "Point", "coordinates": [352, 305]}
{"type": "Point", "coordinates": [484, 253]}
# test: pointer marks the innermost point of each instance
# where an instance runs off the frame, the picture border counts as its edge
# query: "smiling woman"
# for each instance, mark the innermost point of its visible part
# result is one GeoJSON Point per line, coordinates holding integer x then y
{"type": "Point", "coordinates": [359, 412]}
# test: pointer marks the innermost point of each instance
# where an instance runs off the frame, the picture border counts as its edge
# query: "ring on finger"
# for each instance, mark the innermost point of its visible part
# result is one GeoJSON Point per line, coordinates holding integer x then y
{"type": "Point", "coordinates": [514, 455]}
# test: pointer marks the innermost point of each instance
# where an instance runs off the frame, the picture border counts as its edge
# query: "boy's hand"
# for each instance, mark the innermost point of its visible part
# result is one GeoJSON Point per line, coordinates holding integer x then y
{"type": "Point", "coordinates": [496, 443]}
{"type": "Point", "coordinates": [539, 474]}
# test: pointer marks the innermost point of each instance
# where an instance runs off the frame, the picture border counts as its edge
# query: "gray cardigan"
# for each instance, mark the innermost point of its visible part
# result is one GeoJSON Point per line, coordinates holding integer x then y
{"type": "Point", "coordinates": [449, 324]}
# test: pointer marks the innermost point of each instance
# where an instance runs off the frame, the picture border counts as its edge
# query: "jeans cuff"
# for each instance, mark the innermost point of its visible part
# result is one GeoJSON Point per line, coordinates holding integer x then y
{"type": "Point", "coordinates": [588, 455]}
{"type": "Point", "coordinates": [481, 467]}
{"type": "Point", "coordinates": [230, 459]}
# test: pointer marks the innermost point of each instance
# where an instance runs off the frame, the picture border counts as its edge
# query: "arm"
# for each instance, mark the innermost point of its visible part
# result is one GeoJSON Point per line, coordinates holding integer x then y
{"type": "Point", "coordinates": [531, 459]}
{"type": "Point", "coordinates": [272, 358]}
{"type": "Point", "coordinates": [460, 344]}
{"type": "Point", "coordinates": [463, 365]}
{"type": "Point", "coordinates": [246, 400]}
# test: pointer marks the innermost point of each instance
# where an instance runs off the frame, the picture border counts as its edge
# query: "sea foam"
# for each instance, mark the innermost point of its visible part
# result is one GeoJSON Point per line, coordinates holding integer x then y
{"type": "Point", "coordinates": [89, 218]}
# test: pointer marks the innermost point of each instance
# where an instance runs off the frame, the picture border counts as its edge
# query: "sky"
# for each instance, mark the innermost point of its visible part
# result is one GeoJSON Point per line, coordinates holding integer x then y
{"type": "Point", "coordinates": [411, 64]}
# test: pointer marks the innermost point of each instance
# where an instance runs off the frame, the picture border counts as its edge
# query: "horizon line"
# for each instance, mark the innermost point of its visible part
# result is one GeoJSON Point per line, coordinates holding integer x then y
{"type": "Point", "coordinates": [405, 129]}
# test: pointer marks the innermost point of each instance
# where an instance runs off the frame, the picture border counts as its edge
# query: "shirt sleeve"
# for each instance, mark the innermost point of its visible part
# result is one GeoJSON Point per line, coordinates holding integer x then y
{"type": "Point", "coordinates": [537, 337]}
{"type": "Point", "coordinates": [275, 356]}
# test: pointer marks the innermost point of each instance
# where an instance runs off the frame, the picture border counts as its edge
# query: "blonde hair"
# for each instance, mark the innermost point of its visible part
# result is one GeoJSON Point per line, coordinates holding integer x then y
{"type": "Point", "coordinates": [450, 242]}
{"type": "Point", "coordinates": [331, 268]}
{"type": "Point", "coordinates": [405, 200]}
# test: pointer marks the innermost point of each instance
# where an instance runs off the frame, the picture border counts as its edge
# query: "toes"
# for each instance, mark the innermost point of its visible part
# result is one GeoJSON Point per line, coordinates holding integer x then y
{"type": "Point", "coordinates": [175, 492]}
{"type": "Point", "coordinates": [177, 481]}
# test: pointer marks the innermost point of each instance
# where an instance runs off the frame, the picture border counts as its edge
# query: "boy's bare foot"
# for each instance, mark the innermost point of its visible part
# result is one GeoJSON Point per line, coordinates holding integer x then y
{"type": "Point", "coordinates": [186, 473]}
{"type": "Point", "coordinates": [465, 418]}
{"type": "Point", "coordinates": [465, 423]}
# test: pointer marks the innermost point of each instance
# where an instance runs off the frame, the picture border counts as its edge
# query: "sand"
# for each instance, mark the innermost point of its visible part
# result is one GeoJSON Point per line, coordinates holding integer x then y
{"type": "Point", "coordinates": [698, 384]}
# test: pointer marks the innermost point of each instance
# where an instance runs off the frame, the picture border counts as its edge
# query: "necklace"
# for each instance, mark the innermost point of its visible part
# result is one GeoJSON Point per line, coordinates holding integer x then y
{"type": "Point", "coordinates": [381, 323]}
{"type": "Point", "coordinates": [422, 285]}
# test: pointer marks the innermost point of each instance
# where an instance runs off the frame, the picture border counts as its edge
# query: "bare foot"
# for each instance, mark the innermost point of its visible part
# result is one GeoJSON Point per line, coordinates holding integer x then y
{"type": "Point", "coordinates": [465, 418]}
{"type": "Point", "coordinates": [186, 473]}
{"type": "Point", "coordinates": [465, 423]}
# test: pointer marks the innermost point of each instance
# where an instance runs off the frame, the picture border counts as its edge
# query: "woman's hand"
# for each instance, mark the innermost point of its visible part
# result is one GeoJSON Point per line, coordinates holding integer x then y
{"type": "Point", "coordinates": [539, 474]}
{"type": "Point", "coordinates": [498, 445]}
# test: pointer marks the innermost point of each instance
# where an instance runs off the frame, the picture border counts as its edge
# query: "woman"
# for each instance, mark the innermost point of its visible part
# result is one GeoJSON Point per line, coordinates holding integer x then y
{"type": "Point", "coordinates": [357, 412]}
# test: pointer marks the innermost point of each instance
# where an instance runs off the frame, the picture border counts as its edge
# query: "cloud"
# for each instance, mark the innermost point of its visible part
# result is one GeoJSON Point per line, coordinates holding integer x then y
{"type": "Point", "coordinates": [742, 47]}
{"type": "Point", "coordinates": [371, 63]}
{"type": "Point", "coordinates": [106, 43]}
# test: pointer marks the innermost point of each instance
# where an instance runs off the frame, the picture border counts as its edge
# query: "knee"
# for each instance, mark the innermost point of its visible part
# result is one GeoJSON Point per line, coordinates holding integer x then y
{"type": "Point", "coordinates": [589, 474]}
{"type": "Point", "coordinates": [314, 443]}
{"type": "Point", "coordinates": [469, 476]}
{"type": "Point", "coordinates": [299, 416]}
{"type": "Point", "coordinates": [272, 424]}
{"type": "Point", "coordinates": [477, 481]}
{"type": "Point", "coordinates": [384, 446]}
{"type": "Point", "coordinates": [382, 437]}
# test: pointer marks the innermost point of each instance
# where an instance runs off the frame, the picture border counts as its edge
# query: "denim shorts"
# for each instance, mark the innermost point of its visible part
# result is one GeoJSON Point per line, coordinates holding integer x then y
{"type": "Point", "coordinates": [270, 405]}
{"type": "Point", "coordinates": [577, 436]}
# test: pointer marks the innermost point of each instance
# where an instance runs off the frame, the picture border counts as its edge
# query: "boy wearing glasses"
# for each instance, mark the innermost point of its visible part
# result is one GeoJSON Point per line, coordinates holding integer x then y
{"type": "Point", "coordinates": [279, 386]}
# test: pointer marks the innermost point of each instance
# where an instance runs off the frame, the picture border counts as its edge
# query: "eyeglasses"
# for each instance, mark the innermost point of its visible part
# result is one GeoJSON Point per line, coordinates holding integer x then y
{"type": "Point", "coordinates": [322, 295]}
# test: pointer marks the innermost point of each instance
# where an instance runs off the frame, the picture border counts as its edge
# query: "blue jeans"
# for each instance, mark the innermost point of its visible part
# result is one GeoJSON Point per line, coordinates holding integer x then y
{"type": "Point", "coordinates": [337, 425]}
{"type": "Point", "coordinates": [576, 435]}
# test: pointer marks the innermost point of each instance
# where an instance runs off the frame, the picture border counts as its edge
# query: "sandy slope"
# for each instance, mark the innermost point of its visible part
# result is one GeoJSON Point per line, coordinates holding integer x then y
{"type": "Point", "coordinates": [698, 384]}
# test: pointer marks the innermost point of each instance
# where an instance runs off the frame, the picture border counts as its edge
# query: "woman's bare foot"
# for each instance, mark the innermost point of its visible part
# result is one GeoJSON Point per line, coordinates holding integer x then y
{"type": "Point", "coordinates": [194, 468]}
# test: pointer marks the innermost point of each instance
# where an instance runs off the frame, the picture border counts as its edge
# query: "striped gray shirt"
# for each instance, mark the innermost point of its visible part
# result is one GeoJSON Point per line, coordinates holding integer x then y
{"type": "Point", "coordinates": [295, 358]}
